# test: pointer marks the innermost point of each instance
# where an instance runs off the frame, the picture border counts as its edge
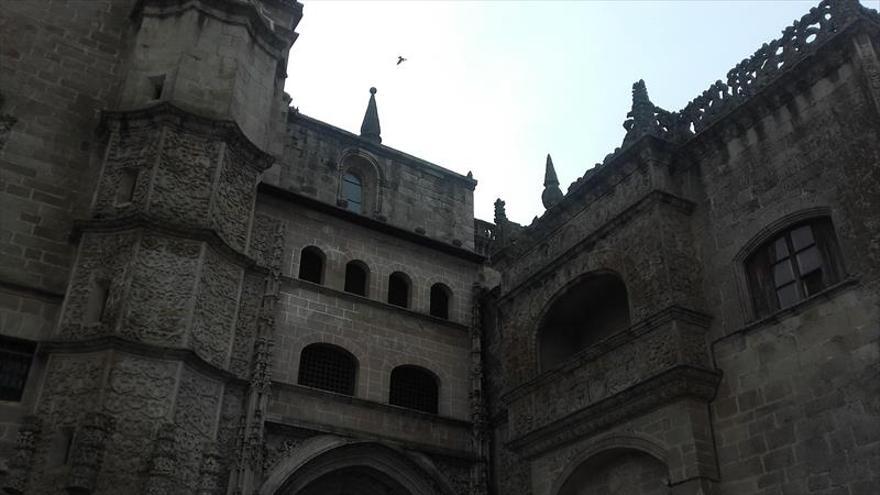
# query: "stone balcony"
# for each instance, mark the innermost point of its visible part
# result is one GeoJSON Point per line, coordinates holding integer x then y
{"type": "Point", "coordinates": [655, 361]}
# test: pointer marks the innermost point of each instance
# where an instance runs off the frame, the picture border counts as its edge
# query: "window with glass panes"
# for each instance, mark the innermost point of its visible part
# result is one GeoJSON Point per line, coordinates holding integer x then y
{"type": "Point", "coordinates": [353, 192]}
{"type": "Point", "coordinates": [793, 266]}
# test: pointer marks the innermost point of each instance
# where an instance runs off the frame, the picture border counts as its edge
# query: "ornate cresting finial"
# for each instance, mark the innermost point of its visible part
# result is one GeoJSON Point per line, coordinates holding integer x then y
{"type": "Point", "coordinates": [500, 214]}
{"type": "Point", "coordinates": [641, 119]}
{"type": "Point", "coordinates": [370, 127]}
{"type": "Point", "coordinates": [552, 194]}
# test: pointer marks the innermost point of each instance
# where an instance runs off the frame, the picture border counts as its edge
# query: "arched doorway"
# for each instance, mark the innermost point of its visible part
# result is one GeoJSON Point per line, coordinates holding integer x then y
{"type": "Point", "coordinates": [330, 465]}
{"type": "Point", "coordinates": [618, 472]}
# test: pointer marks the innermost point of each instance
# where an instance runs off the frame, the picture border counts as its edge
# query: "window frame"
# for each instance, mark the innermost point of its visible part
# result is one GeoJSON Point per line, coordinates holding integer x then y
{"type": "Point", "coordinates": [359, 265]}
{"type": "Point", "coordinates": [755, 291]}
{"type": "Point", "coordinates": [448, 293]}
{"type": "Point", "coordinates": [407, 282]}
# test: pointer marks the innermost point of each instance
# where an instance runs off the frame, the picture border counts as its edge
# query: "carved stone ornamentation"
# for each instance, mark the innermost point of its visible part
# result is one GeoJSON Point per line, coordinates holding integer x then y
{"type": "Point", "coordinates": [88, 450]}
{"type": "Point", "coordinates": [21, 463]}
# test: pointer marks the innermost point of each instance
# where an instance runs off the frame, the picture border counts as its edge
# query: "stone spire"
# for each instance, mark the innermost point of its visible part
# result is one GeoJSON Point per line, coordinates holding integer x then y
{"type": "Point", "coordinates": [552, 194]}
{"type": "Point", "coordinates": [641, 119]}
{"type": "Point", "coordinates": [370, 127]}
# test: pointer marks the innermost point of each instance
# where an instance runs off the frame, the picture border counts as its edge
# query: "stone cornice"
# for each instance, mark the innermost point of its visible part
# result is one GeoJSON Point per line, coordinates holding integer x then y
{"type": "Point", "coordinates": [245, 14]}
{"type": "Point", "coordinates": [116, 343]}
{"type": "Point", "coordinates": [370, 223]}
{"type": "Point", "coordinates": [653, 197]}
{"type": "Point", "coordinates": [166, 113]}
{"type": "Point", "coordinates": [142, 221]}
{"type": "Point", "coordinates": [682, 381]}
{"type": "Point", "coordinates": [607, 345]}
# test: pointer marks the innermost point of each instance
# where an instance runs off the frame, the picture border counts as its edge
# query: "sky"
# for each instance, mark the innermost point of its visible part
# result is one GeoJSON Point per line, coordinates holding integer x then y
{"type": "Point", "coordinates": [492, 87]}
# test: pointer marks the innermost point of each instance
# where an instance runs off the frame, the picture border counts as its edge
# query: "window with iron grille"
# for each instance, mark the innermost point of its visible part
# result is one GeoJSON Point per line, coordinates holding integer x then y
{"type": "Point", "coordinates": [415, 388]}
{"type": "Point", "coordinates": [328, 367]}
{"type": "Point", "coordinates": [15, 363]}
{"type": "Point", "coordinates": [793, 265]}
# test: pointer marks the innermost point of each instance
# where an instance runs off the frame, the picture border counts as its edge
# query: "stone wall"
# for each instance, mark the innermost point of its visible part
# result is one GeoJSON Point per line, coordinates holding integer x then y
{"type": "Point", "coordinates": [405, 191]}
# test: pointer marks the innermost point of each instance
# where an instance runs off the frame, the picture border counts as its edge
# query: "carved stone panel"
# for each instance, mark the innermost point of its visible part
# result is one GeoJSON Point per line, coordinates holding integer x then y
{"type": "Point", "coordinates": [215, 307]}
{"type": "Point", "coordinates": [164, 278]}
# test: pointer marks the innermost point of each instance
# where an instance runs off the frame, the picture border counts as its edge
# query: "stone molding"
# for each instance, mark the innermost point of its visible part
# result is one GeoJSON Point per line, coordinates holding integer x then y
{"type": "Point", "coordinates": [678, 382]}
{"type": "Point", "coordinates": [169, 114]}
{"type": "Point", "coordinates": [246, 14]}
{"type": "Point", "coordinates": [141, 221]}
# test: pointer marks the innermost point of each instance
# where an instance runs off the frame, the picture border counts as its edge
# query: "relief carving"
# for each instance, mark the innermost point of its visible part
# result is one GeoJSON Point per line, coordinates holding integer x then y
{"type": "Point", "coordinates": [216, 302]}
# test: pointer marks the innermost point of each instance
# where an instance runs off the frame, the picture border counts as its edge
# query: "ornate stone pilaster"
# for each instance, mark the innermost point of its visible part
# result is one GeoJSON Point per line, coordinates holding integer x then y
{"type": "Point", "coordinates": [479, 433]}
{"type": "Point", "coordinates": [88, 452]}
{"type": "Point", "coordinates": [162, 475]}
{"type": "Point", "coordinates": [21, 464]}
{"type": "Point", "coordinates": [209, 470]}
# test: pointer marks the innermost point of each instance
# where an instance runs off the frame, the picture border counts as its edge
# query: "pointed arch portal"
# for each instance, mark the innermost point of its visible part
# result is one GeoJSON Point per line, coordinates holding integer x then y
{"type": "Point", "coordinates": [334, 466]}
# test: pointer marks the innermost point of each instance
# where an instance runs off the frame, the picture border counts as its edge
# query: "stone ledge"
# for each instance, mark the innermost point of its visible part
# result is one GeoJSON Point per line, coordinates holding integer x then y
{"type": "Point", "coordinates": [143, 221]}
{"type": "Point", "coordinates": [369, 404]}
{"type": "Point", "coordinates": [113, 342]}
{"type": "Point", "coordinates": [678, 382]}
{"type": "Point", "coordinates": [323, 289]}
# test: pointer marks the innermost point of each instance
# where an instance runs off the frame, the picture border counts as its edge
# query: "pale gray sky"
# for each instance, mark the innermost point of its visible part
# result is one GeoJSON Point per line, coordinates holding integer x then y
{"type": "Point", "coordinates": [493, 86]}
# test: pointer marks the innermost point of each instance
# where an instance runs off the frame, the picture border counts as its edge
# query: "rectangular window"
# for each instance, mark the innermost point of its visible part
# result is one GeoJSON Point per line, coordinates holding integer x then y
{"type": "Point", "coordinates": [15, 363]}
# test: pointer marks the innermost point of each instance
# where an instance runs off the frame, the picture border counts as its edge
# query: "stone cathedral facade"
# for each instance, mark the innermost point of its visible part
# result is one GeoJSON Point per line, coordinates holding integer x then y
{"type": "Point", "coordinates": [203, 291]}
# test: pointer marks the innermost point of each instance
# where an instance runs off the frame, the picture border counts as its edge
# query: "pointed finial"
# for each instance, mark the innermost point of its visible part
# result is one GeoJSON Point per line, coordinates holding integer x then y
{"type": "Point", "coordinates": [370, 127]}
{"type": "Point", "coordinates": [552, 194]}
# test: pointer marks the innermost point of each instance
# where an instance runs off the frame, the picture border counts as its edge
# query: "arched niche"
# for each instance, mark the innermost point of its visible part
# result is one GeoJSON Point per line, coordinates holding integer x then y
{"type": "Point", "coordinates": [334, 465]}
{"type": "Point", "coordinates": [591, 308]}
{"type": "Point", "coordinates": [360, 183]}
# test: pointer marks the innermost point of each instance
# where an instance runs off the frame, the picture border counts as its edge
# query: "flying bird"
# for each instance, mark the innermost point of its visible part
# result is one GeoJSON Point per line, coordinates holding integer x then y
{"type": "Point", "coordinates": [400, 60]}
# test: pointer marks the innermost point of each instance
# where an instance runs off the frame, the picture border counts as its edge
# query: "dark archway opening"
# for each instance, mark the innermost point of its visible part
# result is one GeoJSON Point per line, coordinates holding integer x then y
{"type": "Point", "coordinates": [440, 296]}
{"type": "Point", "coordinates": [594, 308]}
{"type": "Point", "coordinates": [311, 265]}
{"type": "Point", "coordinates": [398, 289]}
{"type": "Point", "coordinates": [354, 480]}
{"type": "Point", "coordinates": [414, 387]}
{"type": "Point", "coordinates": [356, 277]}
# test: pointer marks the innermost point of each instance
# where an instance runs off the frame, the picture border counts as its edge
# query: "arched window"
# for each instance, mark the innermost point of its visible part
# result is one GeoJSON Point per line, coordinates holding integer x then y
{"type": "Point", "coordinates": [440, 298]}
{"type": "Point", "coordinates": [415, 388]}
{"type": "Point", "coordinates": [357, 278]}
{"type": "Point", "coordinates": [311, 265]}
{"type": "Point", "coordinates": [793, 265]}
{"type": "Point", "coordinates": [328, 367]}
{"type": "Point", "coordinates": [353, 192]}
{"type": "Point", "coordinates": [398, 289]}
{"type": "Point", "coordinates": [593, 308]}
